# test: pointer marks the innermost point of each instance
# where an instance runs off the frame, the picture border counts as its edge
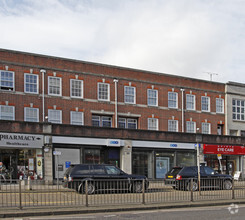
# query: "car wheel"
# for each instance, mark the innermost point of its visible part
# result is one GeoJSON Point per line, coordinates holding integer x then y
{"type": "Point", "coordinates": [138, 187]}
{"type": "Point", "coordinates": [194, 186]}
{"type": "Point", "coordinates": [227, 185]}
{"type": "Point", "coordinates": [90, 189]}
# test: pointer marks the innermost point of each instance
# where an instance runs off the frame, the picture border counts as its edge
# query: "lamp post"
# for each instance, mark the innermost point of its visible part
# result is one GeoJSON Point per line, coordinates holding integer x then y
{"type": "Point", "coordinates": [198, 140]}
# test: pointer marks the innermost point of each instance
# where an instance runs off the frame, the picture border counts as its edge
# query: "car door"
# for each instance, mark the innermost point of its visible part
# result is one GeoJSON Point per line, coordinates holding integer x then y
{"type": "Point", "coordinates": [118, 180]}
{"type": "Point", "coordinates": [210, 178]}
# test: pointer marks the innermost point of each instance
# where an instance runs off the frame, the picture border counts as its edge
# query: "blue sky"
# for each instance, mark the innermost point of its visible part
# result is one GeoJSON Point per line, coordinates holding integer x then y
{"type": "Point", "coordinates": [183, 37]}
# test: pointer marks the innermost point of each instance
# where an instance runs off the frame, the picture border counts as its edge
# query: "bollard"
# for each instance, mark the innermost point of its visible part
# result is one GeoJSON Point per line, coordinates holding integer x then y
{"type": "Point", "coordinates": [20, 199]}
{"type": "Point", "coordinates": [29, 183]}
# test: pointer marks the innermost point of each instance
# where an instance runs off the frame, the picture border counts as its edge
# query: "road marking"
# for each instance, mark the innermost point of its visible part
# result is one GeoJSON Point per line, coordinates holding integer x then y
{"type": "Point", "coordinates": [109, 216]}
{"type": "Point", "coordinates": [67, 217]}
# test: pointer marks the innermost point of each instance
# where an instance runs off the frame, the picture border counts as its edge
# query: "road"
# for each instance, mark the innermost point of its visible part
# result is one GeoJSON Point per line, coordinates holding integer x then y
{"type": "Point", "coordinates": [233, 211]}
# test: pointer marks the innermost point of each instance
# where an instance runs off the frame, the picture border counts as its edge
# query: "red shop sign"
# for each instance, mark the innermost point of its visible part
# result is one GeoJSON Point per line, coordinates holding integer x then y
{"type": "Point", "coordinates": [223, 149]}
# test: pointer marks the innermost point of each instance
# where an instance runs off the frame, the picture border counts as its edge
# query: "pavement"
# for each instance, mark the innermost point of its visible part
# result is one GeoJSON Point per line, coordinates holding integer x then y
{"type": "Point", "coordinates": [47, 211]}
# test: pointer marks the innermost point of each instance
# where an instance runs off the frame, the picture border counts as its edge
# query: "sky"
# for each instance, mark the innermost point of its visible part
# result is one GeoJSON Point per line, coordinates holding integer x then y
{"type": "Point", "coordinates": [203, 39]}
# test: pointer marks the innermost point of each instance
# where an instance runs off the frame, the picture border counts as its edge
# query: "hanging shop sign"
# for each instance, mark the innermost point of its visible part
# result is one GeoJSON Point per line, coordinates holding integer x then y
{"type": "Point", "coordinates": [223, 149]}
{"type": "Point", "coordinates": [18, 140]}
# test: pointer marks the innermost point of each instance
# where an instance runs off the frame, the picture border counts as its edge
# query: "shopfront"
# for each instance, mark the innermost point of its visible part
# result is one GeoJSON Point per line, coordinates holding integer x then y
{"type": "Point", "coordinates": [21, 156]}
{"type": "Point", "coordinates": [225, 159]}
{"type": "Point", "coordinates": [155, 159]}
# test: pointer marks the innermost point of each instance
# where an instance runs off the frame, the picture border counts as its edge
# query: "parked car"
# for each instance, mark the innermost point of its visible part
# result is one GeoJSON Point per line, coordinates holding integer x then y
{"type": "Point", "coordinates": [102, 177]}
{"type": "Point", "coordinates": [180, 178]}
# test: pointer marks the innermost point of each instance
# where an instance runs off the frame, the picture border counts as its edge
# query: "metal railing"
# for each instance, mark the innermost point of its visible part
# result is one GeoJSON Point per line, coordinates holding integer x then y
{"type": "Point", "coordinates": [36, 193]}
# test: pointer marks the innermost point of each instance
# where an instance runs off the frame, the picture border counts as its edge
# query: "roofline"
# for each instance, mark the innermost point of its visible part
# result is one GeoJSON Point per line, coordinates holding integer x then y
{"type": "Point", "coordinates": [109, 65]}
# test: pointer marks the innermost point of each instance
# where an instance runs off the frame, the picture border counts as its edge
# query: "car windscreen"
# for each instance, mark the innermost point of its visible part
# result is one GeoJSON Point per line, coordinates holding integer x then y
{"type": "Point", "coordinates": [175, 171]}
{"type": "Point", "coordinates": [112, 170]}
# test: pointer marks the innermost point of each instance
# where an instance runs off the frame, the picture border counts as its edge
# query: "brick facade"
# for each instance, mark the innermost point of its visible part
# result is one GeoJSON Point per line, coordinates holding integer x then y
{"type": "Point", "coordinates": [91, 74]}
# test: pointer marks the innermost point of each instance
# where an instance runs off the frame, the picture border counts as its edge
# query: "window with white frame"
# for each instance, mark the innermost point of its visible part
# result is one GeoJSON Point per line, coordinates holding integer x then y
{"type": "Point", "coordinates": [76, 118]}
{"type": "Point", "coordinates": [54, 85]}
{"type": "Point", "coordinates": [190, 102]}
{"type": "Point", "coordinates": [219, 105]}
{"type": "Point", "coordinates": [7, 112]}
{"type": "Point", "coordinates": [76, 88]}
{"type": "Point", "coordinates": [173, 125]}
{"type": "Point", "coordinates": [129, 123]}
{"type": "Point", "coordinates": [129, 94]}
{"type": "Point", "coordinates": [153, 124]}
{"type": "Point", "coordinates": [103, 91]}
{"type": "Point", "coordinates": [101, 121]}
{"type": "Point", "coordinates": [55, 116]}
{"type": "Point", "coordinates": [31, 83]}
{"type": "Point", "coordinates": [172, 99]}
{"type": "Point", "coordinates": [238, 110]}
{"type": "Point", "coordinates": [206, 128]}
{"type": "Point", "coordinates": [191, 127]}
{"type": "Point", "coordinates": [152, 97]}
{"type": "Point", "coordinates": [205, 103]}
{"type": "Point", "coordinates": [6, 80]}
{"type": "Point", "coordinates": [31, 114]}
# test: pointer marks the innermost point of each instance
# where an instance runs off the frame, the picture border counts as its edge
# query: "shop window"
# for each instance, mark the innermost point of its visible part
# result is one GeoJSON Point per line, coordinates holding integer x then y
{"type": "Point", "coordinates": [173, 125]}
{"type": "Point", "coordinates": [190, 102]}
{"type": "Point", "coordinates": [172, 99]}
{"type": "Point", "coordinates": [76, 118]}
{"type": "Point", "coordinates": [129, 123]}
{"type": "Point", "coordinates": [92, 156]}
{"type": "Point", "coordinates": [54, 86]}
{"type": "Point", "coordinates": [31, 114]}
{"type": "Point", "coordinates": [7, 112]}
{"type": "Point", "coordinates": [31, 83]}
{"type": "Point", "coordinates": [191, 127]}
{"type": "Point", "coordinates": [76, 88]}
{"type": "Point", "coordinates": [185, 158]}
{"type": "Point", "coordinates": [103, 91]}
{"type": "Point", "coordinates": [243, 133]}
{"type": "Point", "coordinates": [152, 97]}
{"type": "Point", "coordinates": [55, 116]}
{"type": "Point", "coordinates": [7, 80]}
{"type": "Point", "coordinates": [129, 94]}
{"type": "Point", "coordinates": [101, 121]}
{"type": "Point", "coordinates": [205, 103]}
{"type": "Point", "coordinates": [153, 124]}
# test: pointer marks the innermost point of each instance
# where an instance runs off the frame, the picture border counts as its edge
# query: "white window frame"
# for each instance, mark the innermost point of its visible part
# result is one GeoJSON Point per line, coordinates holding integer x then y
{"type": "Point", "coordinates": [31, 83]}
{"type": "Point", "coordinates": [34, 112]}
{"type": "Point", "coordinates": [5, 114]}
{"type": "Point", "coordinates": [153, 124]}
{"type": "Point", "coordinates": [130, 98]}
{"type": "Point", "coordinates": [56, 87]}
{"type": "Point", "coordinates": [59, 114]}
{"type": "Point", "coordinates": [173, 101]}
{"type": "Point", "coordinates": [205, 102]}
{"type": "Point", "coordinates": [220, 105]}
{"type": "Point", "coordinates": [74, 91]}
{"type": "Point", "coordinates": [206, 128]}
{"type": "Point", "coordinates": [238, 110]}
{"type": "Point", "coordinates": [6, 80]}
{"type": "Point", "coordinates": [77, 118]}
{"type": "Point", "coordinates": [128, 122]}
{"type": "Point", "coordinates": [103, 95]}
{"type": "Point", "coordinates": [103, 119]}
{"type": "Point", "coordinates": [191, 127]}
{"type": "Point", "coordinates": [190, 102]}
{"type": "Point", "coordinates": [151, 99]}
{"type": "Point", "coordinates": [173, 125]}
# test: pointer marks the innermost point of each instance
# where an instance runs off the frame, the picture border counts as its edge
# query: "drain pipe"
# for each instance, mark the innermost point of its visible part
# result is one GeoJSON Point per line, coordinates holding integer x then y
{"type": "Point", "coordinates": [43, 72]}
{"type": "Point", "coordinates": [182, 109]}
{"type": "Point", "coordinates": [115, 81]}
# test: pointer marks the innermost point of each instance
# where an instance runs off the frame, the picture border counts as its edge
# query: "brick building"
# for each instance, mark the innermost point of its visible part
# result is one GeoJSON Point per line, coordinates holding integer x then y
{"type": "Point", "coordinates": [44, 89]}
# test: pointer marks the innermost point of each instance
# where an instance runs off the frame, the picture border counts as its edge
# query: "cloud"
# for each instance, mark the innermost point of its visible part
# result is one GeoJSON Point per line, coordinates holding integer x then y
{"type": "Point", "coordinates": [182, 37]}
